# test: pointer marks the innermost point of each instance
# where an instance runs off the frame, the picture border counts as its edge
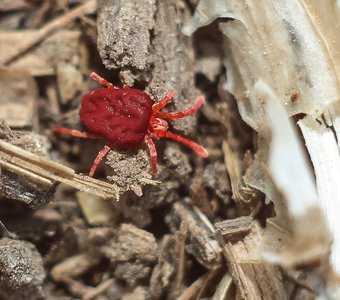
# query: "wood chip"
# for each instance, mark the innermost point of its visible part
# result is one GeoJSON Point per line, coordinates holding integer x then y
{"type": "Point", "coordinates": [133, 244]}
{"type": "Point", "coordinates": [174, 61]}
{"type": "Point", "coordinates": [235, 229]}
{"type": "Point", "coordinates": [124, 30]}
{"type": "Point", "coordinates": [254, 278]}
{"type": "Point", "coordinates": [202, 242]}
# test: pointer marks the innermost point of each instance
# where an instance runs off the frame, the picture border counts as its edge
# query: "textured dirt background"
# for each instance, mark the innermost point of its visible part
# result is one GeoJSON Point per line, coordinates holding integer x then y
{"type": "Point", "coordinates": [172, 236]}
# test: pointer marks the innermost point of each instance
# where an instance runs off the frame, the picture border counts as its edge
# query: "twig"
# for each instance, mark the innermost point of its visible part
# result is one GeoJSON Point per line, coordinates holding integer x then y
{"type": "Point", "coordinates": [87, 8]}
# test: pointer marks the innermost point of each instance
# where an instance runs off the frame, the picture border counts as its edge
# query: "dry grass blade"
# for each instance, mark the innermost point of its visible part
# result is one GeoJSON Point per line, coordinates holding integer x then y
{"type": "Point", "coordinates": [46, 172]}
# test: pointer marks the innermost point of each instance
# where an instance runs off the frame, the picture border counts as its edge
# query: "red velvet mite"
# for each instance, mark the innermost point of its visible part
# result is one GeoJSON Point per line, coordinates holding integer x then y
{"type": "Point", "coordinates": [126, 117]}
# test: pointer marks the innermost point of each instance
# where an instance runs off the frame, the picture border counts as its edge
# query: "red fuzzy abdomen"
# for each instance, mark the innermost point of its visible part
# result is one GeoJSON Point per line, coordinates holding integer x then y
{"type": "Point", "coordinates": [120, 115]}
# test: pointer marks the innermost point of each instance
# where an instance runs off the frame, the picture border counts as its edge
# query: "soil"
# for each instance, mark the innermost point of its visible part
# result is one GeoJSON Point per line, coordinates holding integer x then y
{"type": "Point", "coordinates": [123, 234]}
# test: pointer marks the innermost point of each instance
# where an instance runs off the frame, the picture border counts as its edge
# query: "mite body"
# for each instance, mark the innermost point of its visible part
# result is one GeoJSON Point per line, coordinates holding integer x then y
{"type": "Point", "coordinates": [126, 118]}
{"type": "Point", "coordinates": [121, 116]}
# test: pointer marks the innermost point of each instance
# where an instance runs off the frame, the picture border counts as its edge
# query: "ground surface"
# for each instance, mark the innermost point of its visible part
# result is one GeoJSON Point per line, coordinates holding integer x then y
{"type": "Point", "coordinates": [171, 236]}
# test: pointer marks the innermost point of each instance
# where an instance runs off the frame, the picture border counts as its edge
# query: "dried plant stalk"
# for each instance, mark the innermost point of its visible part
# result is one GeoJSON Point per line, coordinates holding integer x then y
{"type": "Point", "coordinates": [46, 172]}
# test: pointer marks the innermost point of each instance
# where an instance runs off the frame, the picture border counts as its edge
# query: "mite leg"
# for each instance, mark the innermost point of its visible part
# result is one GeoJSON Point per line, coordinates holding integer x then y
{"type": "Point", "coordinates": [182, 114]}
{"type": "Point", "coordinates": [189, 143]}
{"type": "Point", "coordinates": [102, 81]}
{"type": "Point", "coordinates": [125, 86]}
{"type": "Point", "coordinates": [163, 102]}
{"type": "Point", "coordinates": [98, 159]}
{"type": "Point", "coordinates": [76, 133]}
{"type": "Point", "coordinates": [153, 153]}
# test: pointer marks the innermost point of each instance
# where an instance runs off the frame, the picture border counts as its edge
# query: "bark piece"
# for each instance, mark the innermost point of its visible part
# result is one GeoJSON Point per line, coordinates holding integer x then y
{"type": "Point", "coordinates": [21, 270]}
{"type": "Point", "coordinates": [174, 61]}
{"type": "Point", "coordinates": [254, 278]}
{"type": "Point", "coordinates": [74, 266]}
{"type": "Point", "coordinates": [124, 29]}
{"type": "Point", "coordinates": [132, 243]}
{"type": "Point", "coordinates": [131, 36]}
{"type": "Point", "coordinates": [177, 161]}
{"type": "Point", "coordinates": [201, 235]}
{"type": "Point", "coordinates": [158, 195]}
{"type": "Point", "coordinates": [235, 229]}
{"type": "Point", "coordinates": [16, 187]}
{"type": "Point", "coordinates": [32, 142]}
